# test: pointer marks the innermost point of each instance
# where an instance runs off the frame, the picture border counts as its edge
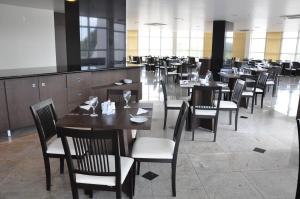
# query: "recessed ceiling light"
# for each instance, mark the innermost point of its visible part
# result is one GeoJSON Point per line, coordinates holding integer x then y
{"type": "Point", "coordinates": [155, 24]}
{"type": "Point", "coordinates": [71, 0]}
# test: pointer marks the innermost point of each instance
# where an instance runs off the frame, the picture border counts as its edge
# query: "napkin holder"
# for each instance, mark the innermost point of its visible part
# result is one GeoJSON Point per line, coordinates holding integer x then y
{"type": "Point", "coordinates": [108, 108]}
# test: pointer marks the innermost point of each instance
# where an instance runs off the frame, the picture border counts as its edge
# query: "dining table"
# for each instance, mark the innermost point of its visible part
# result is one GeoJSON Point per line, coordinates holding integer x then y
{"type": "Point", "coordinates": [119, 121]}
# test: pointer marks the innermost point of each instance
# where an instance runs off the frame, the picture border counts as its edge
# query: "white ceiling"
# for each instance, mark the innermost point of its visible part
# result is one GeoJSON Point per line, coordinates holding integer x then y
{"type": "Point", "coordinates": [198, 14]}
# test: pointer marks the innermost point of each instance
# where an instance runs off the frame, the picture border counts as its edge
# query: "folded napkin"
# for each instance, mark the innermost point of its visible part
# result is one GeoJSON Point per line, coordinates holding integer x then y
{"type": "Point", "coordinates": [85, 107]}
{"type": "Point", "coordinates": [141, 111]}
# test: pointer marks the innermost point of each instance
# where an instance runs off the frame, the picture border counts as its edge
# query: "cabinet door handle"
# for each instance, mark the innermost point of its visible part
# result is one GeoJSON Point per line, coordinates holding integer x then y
{"type": "Point", "coordinates": [43, 84]}
{"type": "Point", "coordinates": [33, 85]}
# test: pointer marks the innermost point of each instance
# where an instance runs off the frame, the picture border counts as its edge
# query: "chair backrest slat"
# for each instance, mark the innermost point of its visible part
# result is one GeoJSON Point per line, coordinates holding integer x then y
{"type": "Point", "coordinates": [238, 91]}
{"type": "Point", "coordinates": [261, 81]}
{"type": "Point", "coordinates": [179, 127]}
{"type": "Point", "coordinates": [163, 85]}
{"type": "Point", "coordinates": [45, 120]}
{"type": "Point", "coordinates": [91, 151]}
{"type": "Point", "coordinates": [201, 94]}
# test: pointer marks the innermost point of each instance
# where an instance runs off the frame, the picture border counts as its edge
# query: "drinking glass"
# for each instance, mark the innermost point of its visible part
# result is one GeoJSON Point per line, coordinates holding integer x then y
{"type": "Point", "coordinates": [93, 104]}
{"type": "Point", "coordinates": [127, 96]}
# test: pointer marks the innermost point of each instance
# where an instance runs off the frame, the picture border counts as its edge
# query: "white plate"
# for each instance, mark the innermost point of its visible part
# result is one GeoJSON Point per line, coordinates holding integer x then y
{"type": "Point", "coordinates": [138, 119]}
{"type": "Point", "coordinates": [118, 83]}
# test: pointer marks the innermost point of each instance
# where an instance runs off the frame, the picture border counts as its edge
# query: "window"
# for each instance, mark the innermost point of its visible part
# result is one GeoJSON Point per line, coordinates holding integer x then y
{"type": "Point", "coordinates": [159, 41]}
{"type": "Point", "coordinates": [257, 45]}
{"type": "Point", "coordinates": [289, 46]}
{"type": "Point", "coordinates": [119, 44]}
{"type": "Point", "coordinates": [93, 39]}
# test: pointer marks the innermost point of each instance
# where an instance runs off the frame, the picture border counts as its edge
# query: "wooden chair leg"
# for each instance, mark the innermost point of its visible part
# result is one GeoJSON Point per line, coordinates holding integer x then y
{"type": "Point", "coordinates": [133, 178]}
{"type": "Point", "coordinates": [193, 134]}
{"type": "Point", "coordinates": [165, 119]}
{"type": "Point", "coordinates": [48, 173]}
{"type": "Point", "coordinates": [262, 101]}
{"type": "Point", "coordinates": [255, 99]}
{"type": "Point", "coordinates": [236, 119]}
{"type": "Point", "coordinates": [62, 165]}
{"type": "Point", "coordinates": [119, 192]}
{"type": "Point", "coordinates": [174, 179]}
{"type": "Point", "coordinates": [138, 167]}
{"type": "Point", "coordinates": [215, 130]}
{"type": "Point", "coordinates": [230, 117]}
{"type": "Point", "coordinates": [252, 105]}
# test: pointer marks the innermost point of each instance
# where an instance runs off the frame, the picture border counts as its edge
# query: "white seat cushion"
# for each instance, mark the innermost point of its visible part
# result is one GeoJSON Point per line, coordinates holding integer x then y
{"type": "Point", "coordinates": [227, 104]}
{"type": "Point", "coordinates": [174, 103]}
{"type": "Point", "coordinates": [258, 90]}
{"type": "Point", "coordinates": [126, 164]}
{"type": "Point", "coordinates": [133, 133]}
{"type": "Point", "coordinates": [247, 93]}
{"type": "Point", "coordinates": [55, 146]}
{"type": "Point", "coordinates": [205, 112]}
{"type": "Point", "coordinates": [153, 148]}
{"type": "Point", "coordinates": [270, 82]}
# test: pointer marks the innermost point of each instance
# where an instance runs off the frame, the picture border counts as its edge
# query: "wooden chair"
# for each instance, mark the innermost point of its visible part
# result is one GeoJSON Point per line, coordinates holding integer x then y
{"type": "Point", "coordinates": [261, 87]}
{"type": "Point", "coordinates": [169, 72]}
{"type": "Point", "coordinates": [98, 165]}
{"type": "Point", "coordinates": [298, 125]}
{"type": "Point", "coordinates": [234, 104]}
{"type": "Point", "coordinates": [169, 104]}
{"type": "Point", "coordinates": [149, 149]}
{"type": "Point", "coordinates": [208, 109]}
{"type": "Point", "coordinates": [250, 92]}
{"type": "Point", "coordinates": [45, 120]}
{"type": "Point", "coordinates": [116, 95]}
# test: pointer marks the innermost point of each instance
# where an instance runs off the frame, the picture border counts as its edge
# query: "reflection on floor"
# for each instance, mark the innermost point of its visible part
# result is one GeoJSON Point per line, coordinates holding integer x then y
{"type": "Point", "coordinates": [227, 169]}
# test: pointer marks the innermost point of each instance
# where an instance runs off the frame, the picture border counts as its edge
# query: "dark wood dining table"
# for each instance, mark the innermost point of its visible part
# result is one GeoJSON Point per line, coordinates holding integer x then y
{"type": "Point", "coordinates": [120, 121]}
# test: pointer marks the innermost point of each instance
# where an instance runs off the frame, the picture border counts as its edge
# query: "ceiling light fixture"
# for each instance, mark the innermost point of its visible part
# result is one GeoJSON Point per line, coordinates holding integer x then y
{"type": "Point", "coordinates": [71, 0]}
{"type": "Point", "coordinates": [155, 24]}
{"type": "Point", "coordinates": [296, 16]}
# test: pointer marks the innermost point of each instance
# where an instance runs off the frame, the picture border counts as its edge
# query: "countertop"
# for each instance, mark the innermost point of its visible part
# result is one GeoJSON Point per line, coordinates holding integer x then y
{"type": "Point", "coordinates": [54, 70]}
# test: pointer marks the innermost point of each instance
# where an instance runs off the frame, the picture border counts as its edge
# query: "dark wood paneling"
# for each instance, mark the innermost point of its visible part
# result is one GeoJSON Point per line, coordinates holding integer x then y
{"type": "Point", "coordinates": [4, 125]}
{"type": "Point", "coordinates": [21, 94]}
{"type": "Point", "coordinates": [55, 87]}
{"type": "Point", "coordinates": [79, 87]}
{"type": "Point", "coordinates": [111, 76]}
{"type": "Point", "coordinates": [72, 35]}
{"type": "Point", "coordinates": [79, 80]}
{"type": "Point", "coordinates": [60, 39]}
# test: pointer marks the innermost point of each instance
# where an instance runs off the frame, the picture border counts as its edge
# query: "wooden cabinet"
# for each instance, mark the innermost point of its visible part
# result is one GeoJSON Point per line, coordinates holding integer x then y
{"type": "Point", "coordinates": [21, 93]}
{"type": "Point", "coordinates": [4, 125]}
{"type": "Point", "coordinates": [79, 87]}
{"type": "Point", "coordinates": [55, 87]}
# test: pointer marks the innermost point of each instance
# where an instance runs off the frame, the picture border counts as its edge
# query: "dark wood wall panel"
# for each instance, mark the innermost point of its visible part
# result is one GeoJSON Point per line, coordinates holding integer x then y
{"type": "Point", "coordinates": [21, 94]}
{"type": "Point", "coordinates": [4, 125]}
{"type": "Point", "coordinates": [55, 87]}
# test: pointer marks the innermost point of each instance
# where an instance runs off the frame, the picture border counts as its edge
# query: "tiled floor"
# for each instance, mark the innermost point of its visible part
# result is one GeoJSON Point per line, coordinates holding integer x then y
{"type": "Point", "coordinates": [226, 169]}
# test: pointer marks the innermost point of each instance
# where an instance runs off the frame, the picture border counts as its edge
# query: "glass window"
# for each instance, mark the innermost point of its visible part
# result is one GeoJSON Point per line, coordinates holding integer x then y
{"type": "Point", "coordinates": [119, 40]}
{"type": "Point", "coordinates": [97, 54]}
{"type": "Point", "coordinates": [119, 27]}
{"type": "Point", "coordinates": [97, 22]}
{"type": "Point", "coordinates": [257, 45]}
{"type": "Point", "coordinates": [98, 39]}
{"type": "Point", "coordinates": [83, 21]}
{"type": "Point", "coordinates": [84, 38]}
{"type": "Point", "coordinates": [289, 46]}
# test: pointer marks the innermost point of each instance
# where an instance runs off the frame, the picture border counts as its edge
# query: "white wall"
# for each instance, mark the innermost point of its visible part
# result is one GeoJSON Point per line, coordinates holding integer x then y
{"type": "Point", "coordinates": [27, 37]}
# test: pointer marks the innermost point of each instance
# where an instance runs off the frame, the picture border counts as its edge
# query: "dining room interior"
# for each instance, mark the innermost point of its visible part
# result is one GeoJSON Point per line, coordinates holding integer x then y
{"type": "Point", "coordinates": [147, 99]}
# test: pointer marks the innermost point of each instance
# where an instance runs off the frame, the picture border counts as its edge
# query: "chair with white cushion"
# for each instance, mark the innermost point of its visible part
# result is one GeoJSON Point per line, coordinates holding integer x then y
{"type": "Point", "coordinates": [169, 104]}
{"type": "Point", "coordinates": [98, 164]}
{"type": "Point", "coordinates": [204, 107]}
{"type": "Point", "coordinates": [45, 120]}
{"type": "Point", "coordinates": [149, 149]}
{"type": "Point", "coordinates": [260, 88]}
{"type": "Point", "coordinates": [234, 104]}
